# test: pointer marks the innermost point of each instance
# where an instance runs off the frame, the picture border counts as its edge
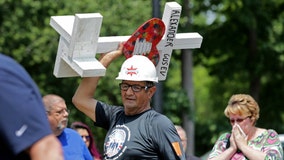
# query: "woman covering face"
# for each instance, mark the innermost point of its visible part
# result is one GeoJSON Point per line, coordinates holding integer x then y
{"type": "Point", "coordinates": [246, 141]}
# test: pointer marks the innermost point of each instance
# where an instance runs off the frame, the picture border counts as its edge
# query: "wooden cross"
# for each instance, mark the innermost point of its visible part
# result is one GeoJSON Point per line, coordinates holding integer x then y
{"type": "Point", "coordinates": [80, 42]}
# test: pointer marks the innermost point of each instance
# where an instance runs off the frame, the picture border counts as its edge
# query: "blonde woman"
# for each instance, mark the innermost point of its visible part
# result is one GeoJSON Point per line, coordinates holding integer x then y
{"type": "Point", "coordinates": [246, 141]}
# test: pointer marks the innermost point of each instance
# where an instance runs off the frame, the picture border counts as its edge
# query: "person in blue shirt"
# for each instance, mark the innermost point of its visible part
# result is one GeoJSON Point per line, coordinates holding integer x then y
{"type": "Point", "coordinates": [72, 143]}
{"type": "Point", "coordinates": [24, 129]}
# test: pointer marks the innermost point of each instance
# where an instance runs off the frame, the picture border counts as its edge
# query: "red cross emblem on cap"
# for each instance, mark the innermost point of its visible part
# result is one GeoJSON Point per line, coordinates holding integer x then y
{"type": "Point", "coordinates": [131, 70]}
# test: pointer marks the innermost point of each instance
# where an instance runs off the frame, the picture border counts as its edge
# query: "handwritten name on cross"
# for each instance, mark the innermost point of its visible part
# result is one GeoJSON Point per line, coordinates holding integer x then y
{"type": "Point", "coordinates": [79, 43]}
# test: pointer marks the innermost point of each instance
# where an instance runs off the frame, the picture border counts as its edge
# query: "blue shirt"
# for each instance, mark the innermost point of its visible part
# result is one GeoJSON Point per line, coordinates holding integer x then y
{"type": "Point", "coordinates": [23, 120]}
{"type": "Point", "coordinates": [74, 147]}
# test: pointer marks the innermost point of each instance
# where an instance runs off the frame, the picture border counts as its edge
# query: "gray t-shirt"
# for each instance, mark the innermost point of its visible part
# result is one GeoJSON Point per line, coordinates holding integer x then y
{"type": "Point", "coordinates": [148, 135]}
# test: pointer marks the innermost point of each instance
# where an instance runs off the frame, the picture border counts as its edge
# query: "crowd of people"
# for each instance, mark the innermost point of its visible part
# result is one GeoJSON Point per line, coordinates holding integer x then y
{"type": "Point", "coordinates": [134, 130]}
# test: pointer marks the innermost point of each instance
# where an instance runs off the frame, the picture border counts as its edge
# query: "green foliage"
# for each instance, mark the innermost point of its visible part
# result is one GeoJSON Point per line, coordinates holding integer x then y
{"type": "Point", "coordinates": [27, 36]}
{"type": "Point", "coordinates": [242, 52]}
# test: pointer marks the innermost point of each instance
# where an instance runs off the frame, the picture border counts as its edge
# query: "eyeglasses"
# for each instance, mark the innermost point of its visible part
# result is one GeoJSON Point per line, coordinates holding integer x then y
{"type": "Point", "coordinates": [135, 87]}
{"type": "Point", "coordinates": [86, 137]}
{"type": "Point", "coordinates": [62, 111]}
{"type": "Point", "coordinates": [238, 120]}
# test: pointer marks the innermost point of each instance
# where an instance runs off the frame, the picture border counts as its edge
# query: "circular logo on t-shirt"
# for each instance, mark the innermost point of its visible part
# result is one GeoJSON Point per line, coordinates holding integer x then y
{"type": "Point", "coordinates": [115, 142]}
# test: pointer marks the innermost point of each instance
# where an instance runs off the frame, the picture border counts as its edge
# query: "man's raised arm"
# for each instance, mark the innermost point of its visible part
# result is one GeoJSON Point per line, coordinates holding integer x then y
{"type": "Point", "coordinates": [83, 97]}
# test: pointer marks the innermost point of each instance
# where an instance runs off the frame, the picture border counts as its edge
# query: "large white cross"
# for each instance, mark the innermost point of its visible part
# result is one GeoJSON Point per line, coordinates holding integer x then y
{"type": "Point", "coordinates": [79, 43]}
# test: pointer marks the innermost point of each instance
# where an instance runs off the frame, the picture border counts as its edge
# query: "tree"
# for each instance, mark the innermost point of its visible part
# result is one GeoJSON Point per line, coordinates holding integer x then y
{"type": "Point", "coordinates": [27, 37]}
{"type": "Point", "coordinates": [242, 50]}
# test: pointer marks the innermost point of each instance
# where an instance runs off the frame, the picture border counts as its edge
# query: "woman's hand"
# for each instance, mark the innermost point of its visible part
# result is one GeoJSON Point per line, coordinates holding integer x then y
{"type": "Point", "coordinates": [239, 136]}
{"type": "Point", "coordinates": [233, 143]}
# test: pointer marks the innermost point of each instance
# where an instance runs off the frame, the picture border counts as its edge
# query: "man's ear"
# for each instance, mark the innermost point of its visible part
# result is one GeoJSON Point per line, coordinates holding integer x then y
{"type": "Point", "coordinates": [151, 91]}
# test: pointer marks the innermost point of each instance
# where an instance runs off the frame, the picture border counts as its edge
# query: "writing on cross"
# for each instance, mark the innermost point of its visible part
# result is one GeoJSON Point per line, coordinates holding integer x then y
{"type": "Point", "coordinates": [80, 42]}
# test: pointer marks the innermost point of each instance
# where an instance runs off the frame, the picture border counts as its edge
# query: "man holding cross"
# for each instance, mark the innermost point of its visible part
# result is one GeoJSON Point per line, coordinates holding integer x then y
{"type": "Point", "coordinates": [135, 130]}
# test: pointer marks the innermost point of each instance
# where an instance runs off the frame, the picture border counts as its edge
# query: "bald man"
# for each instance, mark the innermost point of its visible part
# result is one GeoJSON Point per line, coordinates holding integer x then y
{"type": "Point", "coordinates": [183, 137]}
